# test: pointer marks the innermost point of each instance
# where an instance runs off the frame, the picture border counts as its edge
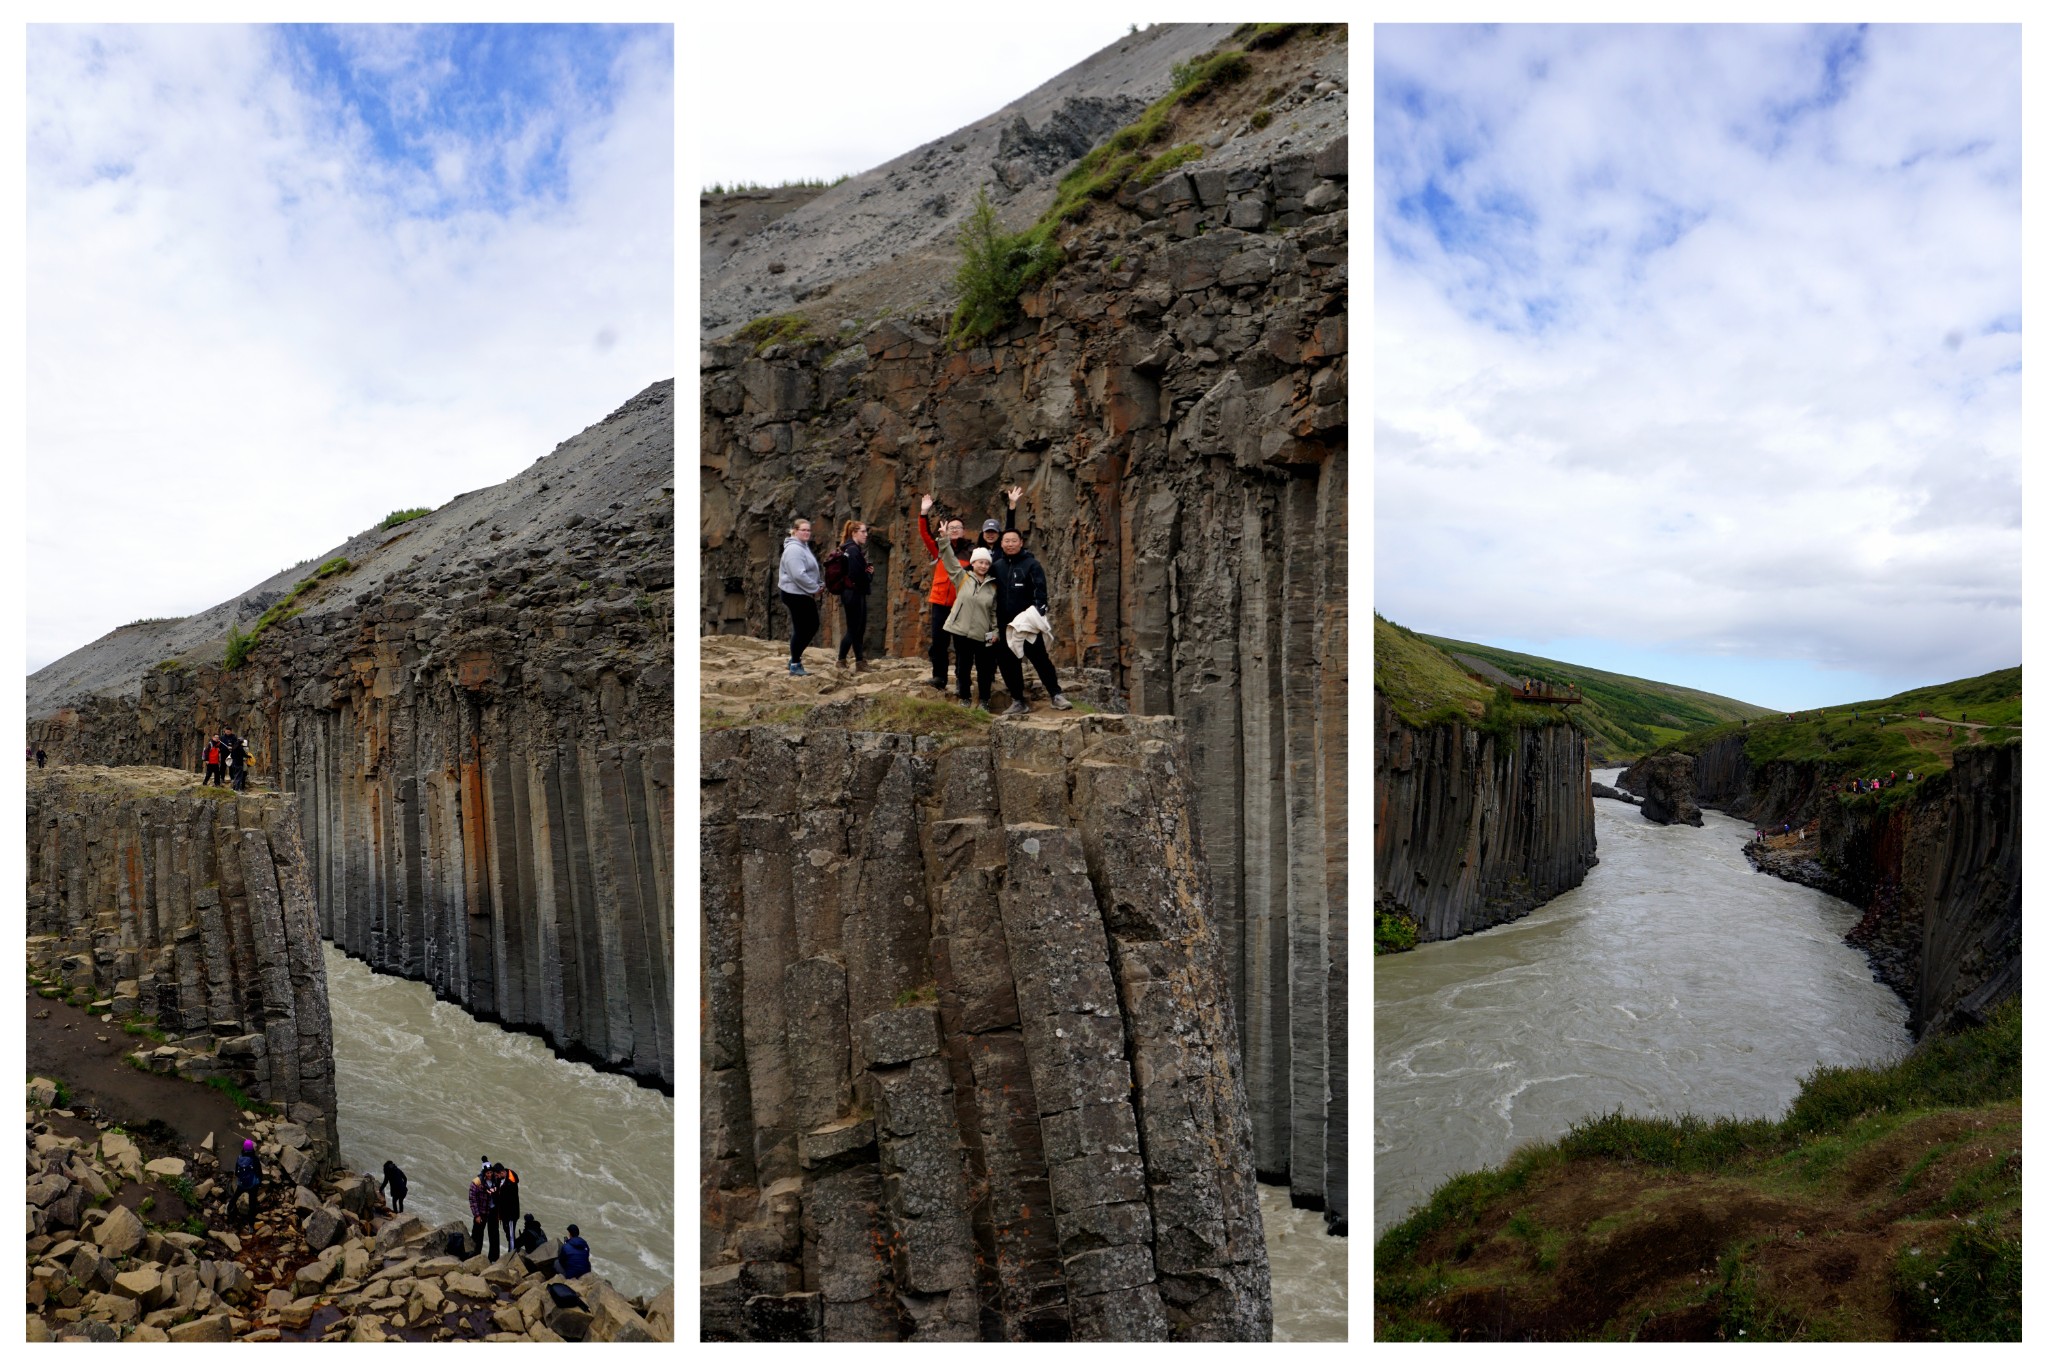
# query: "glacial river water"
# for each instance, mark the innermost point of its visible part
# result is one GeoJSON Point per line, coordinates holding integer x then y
{"type": "Point", "coordinates": [1309, 1268]}
{"type": "Point", "coordinates": [419, 1082]}
{"type": "Point", "coordinates": [1675, 979]}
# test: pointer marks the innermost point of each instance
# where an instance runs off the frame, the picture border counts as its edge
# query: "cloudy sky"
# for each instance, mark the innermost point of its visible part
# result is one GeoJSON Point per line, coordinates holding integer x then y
{"type": "Point", "coordinates": [283, 281]}
{"type": "Point", "coordinates": [1698, 350]}
{"type": "Point", "coordinates": [838, 93]}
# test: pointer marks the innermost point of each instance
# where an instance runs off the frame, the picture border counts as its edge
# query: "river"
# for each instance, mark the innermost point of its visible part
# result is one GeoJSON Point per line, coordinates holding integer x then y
{"type": "Point", "coordinates": [1675, 978]}
{"type": "Point", "coordinates": [419, 1082]}
{"type": "Point", "coordinates": [1309, 1267]}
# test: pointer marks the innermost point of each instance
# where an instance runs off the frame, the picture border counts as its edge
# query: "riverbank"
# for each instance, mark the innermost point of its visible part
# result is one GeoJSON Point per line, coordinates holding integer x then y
{"type": "Point", "coordinates": [1884, 1206]}
{"type": "Point", "coordinates": [129, 1239]}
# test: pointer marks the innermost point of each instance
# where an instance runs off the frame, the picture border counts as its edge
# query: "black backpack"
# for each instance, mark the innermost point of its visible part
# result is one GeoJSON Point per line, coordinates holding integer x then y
{"type": "Point", "coordinates": [835, 572]}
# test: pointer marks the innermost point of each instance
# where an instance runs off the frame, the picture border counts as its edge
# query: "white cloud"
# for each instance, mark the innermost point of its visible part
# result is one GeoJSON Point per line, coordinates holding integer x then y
{"type": "Point", "coordinates": [1688, 342]}
{"type": "Point", "coordinates": [250, 337]}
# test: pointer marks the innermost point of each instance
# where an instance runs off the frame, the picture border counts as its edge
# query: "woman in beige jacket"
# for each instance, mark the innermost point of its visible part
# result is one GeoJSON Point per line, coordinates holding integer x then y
{"type": "Point", "coordinates": [972, 621]}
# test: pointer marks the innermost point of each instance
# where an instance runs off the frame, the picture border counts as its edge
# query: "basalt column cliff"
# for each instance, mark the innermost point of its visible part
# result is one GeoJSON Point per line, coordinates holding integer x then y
{"type": "Point", "coordinates": [475, 709]}
{"type": "Point", "coordinates": [971, 1071]}
{"type": "Point", "coordinates": [1173, 403]}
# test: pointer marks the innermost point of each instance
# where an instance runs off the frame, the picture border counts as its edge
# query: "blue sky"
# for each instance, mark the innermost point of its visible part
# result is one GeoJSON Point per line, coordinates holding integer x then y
{"type": "Point", "coordinates": [1697, 349]}
{"type": "Point", "coordinates": [284, 280]}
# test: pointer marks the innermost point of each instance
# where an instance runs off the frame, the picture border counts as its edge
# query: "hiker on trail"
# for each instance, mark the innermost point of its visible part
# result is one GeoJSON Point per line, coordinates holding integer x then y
{"type": "Point", "coordinates": [393, 1185]}
{"type": "Point", "coordinates": [505, 1201]}
{"type": "Point", "coordinates": [41, 758]}
{"type": "Point", "coordinates": [940, 598]}
{"type": "Point", "coordinates": [803, 584]}
{"type": "Point", "coordinates": [248, 1180]}
{"type": "Point", "coordinates": [480, 1218]}
{"type": "Point", "coordinates": [848, 574]}
{"type": "Point", "coordinates": [530, 1236]}
{"type": "Point", "coordinates": [573, 1260]}
{"type": "Point", "coordinates": [972, 622]}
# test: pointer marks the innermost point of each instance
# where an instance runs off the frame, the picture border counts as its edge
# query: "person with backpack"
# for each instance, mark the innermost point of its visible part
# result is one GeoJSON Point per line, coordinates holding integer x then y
{"type": "Point", "coordinates": [802, 584]}
{"type": "Point", "coordinates": [248, 1180]}
{"type": "Point", "coordinates": [940, 598]}
{"type": "Point", "coordinates": [848, 576]}
{"type": "Point", "coordinates": [505, 1201]}
{"type": "Point", "coordinates": [573, 1260]}
{"type": "Point", "coordinates": [530, 1235]}
{"type": "Point", "coordinates": [393, 1185]}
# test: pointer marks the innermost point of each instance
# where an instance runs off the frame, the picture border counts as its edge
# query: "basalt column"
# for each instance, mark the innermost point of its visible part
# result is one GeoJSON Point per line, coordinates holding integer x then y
{"type": "Point", "coordinates": [970, 1071]}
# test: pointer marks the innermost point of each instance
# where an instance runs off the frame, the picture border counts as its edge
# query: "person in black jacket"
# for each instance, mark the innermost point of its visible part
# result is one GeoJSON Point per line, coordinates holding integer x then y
{"type": "Point", "coordinates": [393, 1185]}
{"type": "Point", "coordinates": [1020, 583]}
{"type": "Point", "coordinates": [858, 576]}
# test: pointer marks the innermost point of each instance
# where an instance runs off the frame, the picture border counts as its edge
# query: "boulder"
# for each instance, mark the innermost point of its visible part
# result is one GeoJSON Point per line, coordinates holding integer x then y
{"type": "Point", "coordinates": [1665, 782]}
{"type": "Point", "coordinates": [144, 1284]}
{"type": "Point", "coordinates": [323, 1227]}
{"type": "Point", "coordinates": [661, 1315]}
{"type": "Point", "coordinates": [42, 1093]}
{"type": "Point", "coordinates": [120, 1155]}
{"type": "Point", "coordinates": [400, 1229]}
{"type": "Point", "coordinates": [165, 1168]}
{"type": "Point", "coordinates": [213, 1327]}
{"type": "Point", "coordinates": [120, 1233]}
{"type": "Point", "coordinates": [469, 1286]}
{"type": "Point", "coordinates": [612, 1316]}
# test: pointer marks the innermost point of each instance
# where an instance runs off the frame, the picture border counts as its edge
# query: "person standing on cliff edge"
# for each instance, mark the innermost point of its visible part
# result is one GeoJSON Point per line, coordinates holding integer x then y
{"type": "Point", "coordinates": [972, 622]}
{"type": "Point", "coordinates": [802, 583]}
{"type": "Point", "coordinates": [1020, 586]}
{"type": "Point", "coordinates": [856, 576]}
{"type": "Point", "coordinates": [940, 599]}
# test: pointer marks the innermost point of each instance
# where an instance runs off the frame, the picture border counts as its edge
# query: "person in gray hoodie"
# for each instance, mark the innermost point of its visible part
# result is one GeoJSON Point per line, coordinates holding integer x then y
{"type": "Point", "coordinates": [802, 583]}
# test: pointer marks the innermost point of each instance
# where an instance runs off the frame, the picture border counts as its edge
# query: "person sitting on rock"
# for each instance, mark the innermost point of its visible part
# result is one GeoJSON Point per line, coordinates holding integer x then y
{"type": "Point", "coordinates": [248, 1180]}
{"type": "Point", "coordinates": [573, 1261]}
{"type": "Point", "coordinates": [530, 1235]}
{"type": "Point", "coordinates": [393, 1185]}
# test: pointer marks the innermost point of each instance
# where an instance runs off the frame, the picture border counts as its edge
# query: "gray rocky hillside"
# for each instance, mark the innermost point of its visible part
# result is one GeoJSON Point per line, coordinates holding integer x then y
{"type": "Point", "coordinates": [884, 240]}
{"type": "Point", "coordinates": [1174, 402]}
{"type": "Point", "coordinates": [475, 709]}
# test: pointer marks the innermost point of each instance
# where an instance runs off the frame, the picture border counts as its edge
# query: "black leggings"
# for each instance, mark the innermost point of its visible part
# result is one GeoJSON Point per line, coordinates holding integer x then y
{"type": "Point", "coordinates": [803, 623]}
{"type": "Point", "coordinates": [974, 656]}
{"type": "Point", "coordinates": [939, 639]}
{"type": "Point", "coordinates": [855, 639]}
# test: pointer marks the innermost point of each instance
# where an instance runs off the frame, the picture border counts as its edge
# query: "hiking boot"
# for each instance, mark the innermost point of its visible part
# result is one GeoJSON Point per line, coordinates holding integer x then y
{"type": "Point", "coordinates": [1018, 708]}
{"type": "Point", "coordinates": [796, 670]}
{"type": "Point", "coordinates": [1060, 702]}
{"type": "Point", "coordinates": [939, 683]}
{"type": "Point", "coordinates": [860, 665]}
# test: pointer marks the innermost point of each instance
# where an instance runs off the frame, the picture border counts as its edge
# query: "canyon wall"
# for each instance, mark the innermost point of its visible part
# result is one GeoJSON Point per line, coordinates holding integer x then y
{"type": "Point", "coordinates": [971, 1070]}
{"type": "Point", "coordinates": [477, 716]}
{"type": "Point", "coordinates": [1937, 873]}
{"type": "Point", "coordinates": [1174, 405]}
{"type": "Point", "coordinates": [1472, 829]}
{"type": "Point", "coordinates": [189, 908]}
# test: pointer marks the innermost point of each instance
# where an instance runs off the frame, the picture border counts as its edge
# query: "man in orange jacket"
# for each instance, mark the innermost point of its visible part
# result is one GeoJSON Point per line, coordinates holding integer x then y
{"type": "Point", "coordinates": [940, 598]}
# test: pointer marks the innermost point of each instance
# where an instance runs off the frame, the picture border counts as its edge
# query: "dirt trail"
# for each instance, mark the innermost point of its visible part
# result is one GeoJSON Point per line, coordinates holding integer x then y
{"type": "Point", "coordinates": [88, 1054]}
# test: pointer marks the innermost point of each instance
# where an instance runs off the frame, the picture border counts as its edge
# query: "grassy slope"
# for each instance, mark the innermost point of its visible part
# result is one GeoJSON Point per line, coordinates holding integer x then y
{"type": "Point", "coordinates": [1884, 1206]}
{"type": "Point", "coordinates": [1418, 680]}
{"type": "Point", "coordinates": [1850, 740]}
{"type": "Point", "coordinates": [1626, 716]}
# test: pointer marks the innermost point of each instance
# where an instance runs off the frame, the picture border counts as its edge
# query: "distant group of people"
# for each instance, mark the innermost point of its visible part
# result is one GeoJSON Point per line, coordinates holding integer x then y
{"type": "Point", "coordinates": [988, 603]}
{"type": "Point", "coordinates": [36, 755]}
{"type": "Point", "coordinates": [1874, 784]}
{"type": "Point", "coordinates": [494, 1209]}
{"type": "Point", "coordinates": [227, 757]}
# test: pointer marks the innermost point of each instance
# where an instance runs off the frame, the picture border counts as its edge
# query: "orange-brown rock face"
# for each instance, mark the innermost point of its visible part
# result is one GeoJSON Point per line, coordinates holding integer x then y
{"type": "Point", "coordinates": [1174, 405]}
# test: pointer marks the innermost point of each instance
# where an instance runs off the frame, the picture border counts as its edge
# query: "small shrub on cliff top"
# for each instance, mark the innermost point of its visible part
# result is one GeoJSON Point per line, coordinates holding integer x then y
{"type": "Point", "coordinates": [779, 329]}
{"type": "Point", "coordinates": [400, 517]}
{"type": "Point", "coordinates": [1168, 161]}
{"type": "Point", "coordinates": [996, 267]}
